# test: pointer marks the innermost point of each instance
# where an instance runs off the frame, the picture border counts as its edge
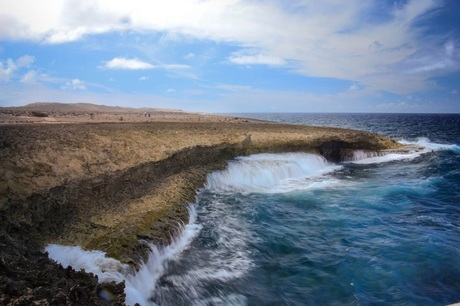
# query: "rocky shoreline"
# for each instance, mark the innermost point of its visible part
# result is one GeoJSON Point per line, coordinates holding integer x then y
{"type": "Point", "coordinates": [112, 185]}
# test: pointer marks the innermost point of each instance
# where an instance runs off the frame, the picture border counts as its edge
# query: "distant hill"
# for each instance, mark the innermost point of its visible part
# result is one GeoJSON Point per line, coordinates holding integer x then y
{"type": "Point", "coordinates": [83, 107]}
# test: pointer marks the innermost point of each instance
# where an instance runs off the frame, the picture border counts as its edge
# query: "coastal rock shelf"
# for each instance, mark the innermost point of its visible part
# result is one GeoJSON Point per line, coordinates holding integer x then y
{"type": "Point", "coordinates": [113, 186]}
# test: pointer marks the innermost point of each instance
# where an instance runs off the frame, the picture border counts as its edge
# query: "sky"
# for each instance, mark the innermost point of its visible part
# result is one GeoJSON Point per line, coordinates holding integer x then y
{"type": "Point", "coordinates": [380, 56]}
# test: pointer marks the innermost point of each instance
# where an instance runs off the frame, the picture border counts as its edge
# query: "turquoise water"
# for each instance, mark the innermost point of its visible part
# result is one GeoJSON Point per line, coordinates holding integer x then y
{"type": "Point", "coordinates": [293, 229]}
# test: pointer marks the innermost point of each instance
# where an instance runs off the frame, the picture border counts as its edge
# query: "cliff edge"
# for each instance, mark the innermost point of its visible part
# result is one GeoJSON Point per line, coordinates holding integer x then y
{"type": "Point", "coordinates": [112, 186]}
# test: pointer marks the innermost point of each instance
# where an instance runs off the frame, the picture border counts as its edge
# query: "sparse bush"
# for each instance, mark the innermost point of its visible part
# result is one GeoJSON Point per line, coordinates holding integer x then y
{"type": "Point", "coordinates": [38, 114]}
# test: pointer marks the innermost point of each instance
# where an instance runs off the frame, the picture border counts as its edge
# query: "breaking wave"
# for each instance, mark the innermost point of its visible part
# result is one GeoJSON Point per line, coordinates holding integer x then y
{"type": "Point", "coordinates": [230, 257]}
{"type": "Point", "coordinates": [269, 173]}
{"type": "Point", "coordinates": [139, 286]}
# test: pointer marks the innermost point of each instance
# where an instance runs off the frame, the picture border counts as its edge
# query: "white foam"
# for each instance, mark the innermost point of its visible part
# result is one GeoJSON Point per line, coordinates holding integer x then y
{"type": "Point", "coordinates": [426, 143]}
{"type": "Point", "coordinates": [424, 146]}
{"type": "Point", "coordinates": [268, 172]}
{"type": "Point", "coordinates": [229, 257]}
{"type": "Point", "coordinates": [390, 157]}
{"type": "Point", "coordinates": [142, 284]}
{"type": "Point", "coordinates": [106, 268]}
{"type": "Point", "coordinates": [362, 154]}
{"type": "Point", "coordinates": [222, 299]}
{"type": "Point", "coordinates": [139, 286]}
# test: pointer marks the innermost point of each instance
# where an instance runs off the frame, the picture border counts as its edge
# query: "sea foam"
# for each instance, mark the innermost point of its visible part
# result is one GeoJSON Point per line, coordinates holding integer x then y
{"type": "Point", "coordinates": [429, 145]}
{"type": "Point", "coordinates": [423, 144]}
{"type": "Point", "coordinates": [139, 286]}
{"type": "Point", "coordinates": [266, 173]}
{"type": "Point", "coordinates": [262, 172]}
{"type": "Point", "coordinates": [269, 173]}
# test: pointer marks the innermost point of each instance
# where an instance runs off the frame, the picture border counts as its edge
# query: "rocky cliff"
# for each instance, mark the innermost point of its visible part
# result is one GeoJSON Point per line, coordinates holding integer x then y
{"type": "Point", "coordinates": [111, 186]}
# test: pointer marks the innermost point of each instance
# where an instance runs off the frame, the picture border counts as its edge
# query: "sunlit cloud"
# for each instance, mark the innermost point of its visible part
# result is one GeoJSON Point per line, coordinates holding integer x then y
{"type": "Point", "coordinates": [128, 64]}
{"type": "Point", "coordinates": [74, 84]}
{"type": "Point", "coordinates": [324, 38]}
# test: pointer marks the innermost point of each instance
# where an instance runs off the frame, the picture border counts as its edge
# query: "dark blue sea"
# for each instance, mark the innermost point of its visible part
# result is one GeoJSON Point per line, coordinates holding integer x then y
{"type": "Point", "coordinates": [294, 229]}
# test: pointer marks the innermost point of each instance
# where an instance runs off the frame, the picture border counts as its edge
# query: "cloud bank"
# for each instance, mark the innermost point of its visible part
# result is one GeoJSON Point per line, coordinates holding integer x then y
{"type": "Point", "coordinates": [334, 39]}
{"type": "Point", "coordinates": [327, 39]}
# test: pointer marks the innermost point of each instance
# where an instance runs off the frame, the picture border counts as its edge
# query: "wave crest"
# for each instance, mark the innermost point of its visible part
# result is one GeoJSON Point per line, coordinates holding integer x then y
{"type": "Point", "coordinates": [267, 172]}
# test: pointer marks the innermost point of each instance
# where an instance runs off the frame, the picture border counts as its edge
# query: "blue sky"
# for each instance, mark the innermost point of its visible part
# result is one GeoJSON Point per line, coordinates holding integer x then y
{"type": "Point", "coordinates": [234, 55]}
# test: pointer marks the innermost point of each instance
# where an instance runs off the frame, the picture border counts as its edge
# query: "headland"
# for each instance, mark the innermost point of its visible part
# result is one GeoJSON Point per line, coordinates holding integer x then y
{"type": "Point", "coordinates": [112, 179]}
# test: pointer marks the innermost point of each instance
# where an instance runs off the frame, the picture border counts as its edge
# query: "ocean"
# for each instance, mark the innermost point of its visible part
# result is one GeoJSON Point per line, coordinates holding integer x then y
{"type": "Point", "coordinates": [294, 229]}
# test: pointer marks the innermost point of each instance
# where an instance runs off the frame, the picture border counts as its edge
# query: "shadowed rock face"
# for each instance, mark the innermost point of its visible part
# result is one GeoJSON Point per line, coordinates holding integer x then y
{"type": "Point", "coordinates": [29, 277]}
{"type": "Point", "coordinates": [334, 151]}
{"type": "Point", "coordinates": [89, 185]}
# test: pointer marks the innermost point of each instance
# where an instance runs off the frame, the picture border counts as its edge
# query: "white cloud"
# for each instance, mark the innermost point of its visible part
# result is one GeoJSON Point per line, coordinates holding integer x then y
{"type": "Point", "coordinates": [129, 64]}
{"type": "Point", "coordinates": [32, 77]}
{"type": "Point", "coordinates": [253, 100]}
{"type": "Point", "coordinates": [30, 20]}
{"type": "Point", "coordinates": [328, 38]}
{"type": "Point", "coordinates": [174, 66]}
{"type": "Point", "coordinates": [429, 61]}
{"type": "Point", "coordinates": [25, 61]}
{"type": "Point", "coordinates": [67, 35]}
{"type": "Point", "coordinates": [250, 58]}
{"type": "Point", "coordinates": [143, 78]}
{"type": "Point", "coordinates": [29, 78]}
{"type": "Point", "coordinates": [74, 84]}
{"type": "Point", "coordinates": [7, 69]}
{"type": "Point", "coordinates": [137, 64]}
